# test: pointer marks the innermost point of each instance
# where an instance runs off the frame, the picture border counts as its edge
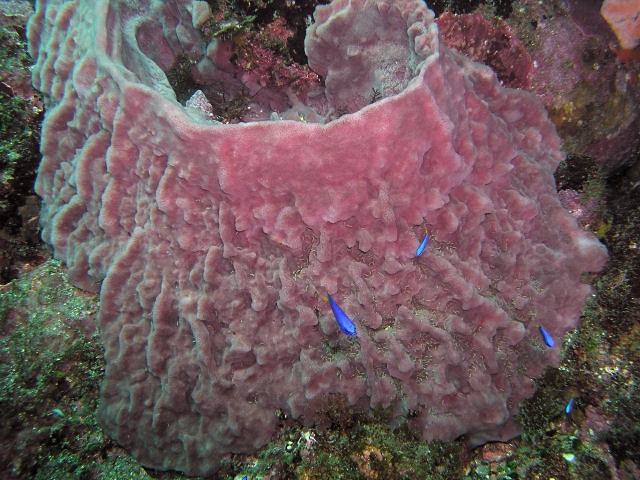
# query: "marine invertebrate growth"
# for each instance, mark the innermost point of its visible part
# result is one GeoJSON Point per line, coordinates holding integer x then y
{"type": "Point", "coordinates": [214, 246]}
{"type": "Point", "coordinates": [624, 18]}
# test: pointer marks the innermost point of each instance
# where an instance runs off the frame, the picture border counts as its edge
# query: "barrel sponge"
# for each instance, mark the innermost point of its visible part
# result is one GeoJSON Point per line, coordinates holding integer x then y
{"type": "Point", "coordinates": [214, 246]}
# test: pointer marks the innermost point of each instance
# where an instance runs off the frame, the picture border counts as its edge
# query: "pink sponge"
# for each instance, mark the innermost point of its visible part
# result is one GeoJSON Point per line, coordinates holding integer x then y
{"type": "Point", "coordinates": [623, 16]}
{"type": "Point", "coordinates": [214, 246]}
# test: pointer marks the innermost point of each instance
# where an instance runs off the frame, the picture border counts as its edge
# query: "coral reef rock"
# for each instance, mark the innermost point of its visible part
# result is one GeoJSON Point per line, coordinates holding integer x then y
{"type": "Point", "coordinates": [214, 246]}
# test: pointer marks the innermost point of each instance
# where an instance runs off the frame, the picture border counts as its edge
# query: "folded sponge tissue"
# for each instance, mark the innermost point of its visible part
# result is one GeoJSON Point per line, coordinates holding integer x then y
{"type": "Point", "coordinates": [214, 246]}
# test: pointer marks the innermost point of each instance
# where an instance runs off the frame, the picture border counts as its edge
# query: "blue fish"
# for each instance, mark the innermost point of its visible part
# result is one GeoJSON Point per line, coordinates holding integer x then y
{"type": "Point", "coordinates": [569, 406]}
{"type": "Point", "coordinates": [548, 339]}
{"type": "Point", "coordinates": [344, 322]}
{"type": "Point", "coordinates": [423, 245]}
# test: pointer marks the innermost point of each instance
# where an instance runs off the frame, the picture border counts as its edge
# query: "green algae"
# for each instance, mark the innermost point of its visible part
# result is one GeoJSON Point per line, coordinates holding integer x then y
{"type": "Point", "coordinates": [20, 116]}
{"type": "Point", "coordinates": [369, 449]}
{"type": "Point", "coordinates": [50, 366]}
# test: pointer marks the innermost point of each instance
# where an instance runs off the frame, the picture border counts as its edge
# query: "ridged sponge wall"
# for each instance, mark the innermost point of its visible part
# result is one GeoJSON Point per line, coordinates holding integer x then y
{"type": "Point", "coordinates": [214, 246]}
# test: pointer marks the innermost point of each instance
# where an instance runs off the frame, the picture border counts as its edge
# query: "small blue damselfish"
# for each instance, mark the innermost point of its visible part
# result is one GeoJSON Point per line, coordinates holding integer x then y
{"type": "Point", "coordinates": [423, 245]}
{"type": "Point", "coordinates": [569, 406]}
{"type": "Point", "coordinates": [548, 339]}
{"type": "Point", "coordinates": [344, 322]}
